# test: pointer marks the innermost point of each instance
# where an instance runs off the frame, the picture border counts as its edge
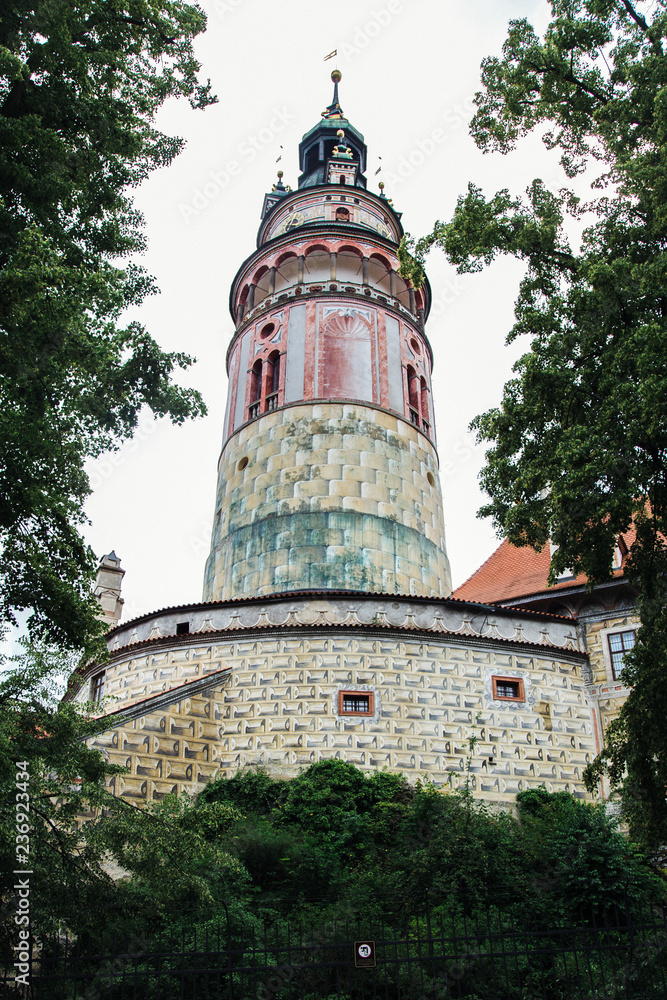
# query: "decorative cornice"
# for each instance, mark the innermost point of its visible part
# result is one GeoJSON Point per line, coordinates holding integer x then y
{"type": "Point", "coordinates": [372, 613]}
{"type": "Point", "coordinates": [261, 311]}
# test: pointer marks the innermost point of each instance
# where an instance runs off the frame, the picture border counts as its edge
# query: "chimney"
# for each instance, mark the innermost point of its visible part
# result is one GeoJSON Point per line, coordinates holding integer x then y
{"type": "Point", "coordinates": [107, 588]}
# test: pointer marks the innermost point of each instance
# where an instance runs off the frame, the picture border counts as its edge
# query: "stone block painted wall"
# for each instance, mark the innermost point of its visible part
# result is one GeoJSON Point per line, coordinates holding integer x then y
{"type": "Point", "coordinates": [328, 495]}
{"type": "Point", "coordinates": [272, 701]}
{"type": "Point", "coordinates": [607, 692]}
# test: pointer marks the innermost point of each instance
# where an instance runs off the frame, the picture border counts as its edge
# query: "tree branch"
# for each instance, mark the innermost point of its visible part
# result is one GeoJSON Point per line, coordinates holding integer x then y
{"type": "Point", "coordinates": [62, 853]}
{"type": "Point", "coordinates": [637, 18]}
{"type": "Point", "coordinates": [641, 22]}
{"type": "Point", "coordinates": [571, 78]}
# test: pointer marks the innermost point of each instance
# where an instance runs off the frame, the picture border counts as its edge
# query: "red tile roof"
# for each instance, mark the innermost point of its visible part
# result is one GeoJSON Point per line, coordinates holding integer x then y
{"type": "Point", "coordinates": [513, 572]}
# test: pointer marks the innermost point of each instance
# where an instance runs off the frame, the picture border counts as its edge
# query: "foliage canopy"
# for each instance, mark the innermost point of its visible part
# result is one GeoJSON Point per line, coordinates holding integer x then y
{"type": "Point", "coordinates": [332, 843]}
{"type": "Point", "coordinates": [80, 85]}
{"type": "Point", "coordinates": [61, 819]}
{"type": "Point", "coordinates": [578, 445]}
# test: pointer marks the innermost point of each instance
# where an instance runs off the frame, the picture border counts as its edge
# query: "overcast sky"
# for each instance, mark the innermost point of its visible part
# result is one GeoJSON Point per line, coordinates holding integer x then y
{"type": "Point", "coordinates": [410, 71]}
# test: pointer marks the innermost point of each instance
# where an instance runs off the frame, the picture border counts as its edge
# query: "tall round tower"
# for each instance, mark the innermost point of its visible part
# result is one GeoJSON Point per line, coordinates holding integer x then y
{"type": "Point", "coordinates": [326, 629]}
{"type": "Point", "coordinates": [328, 477]}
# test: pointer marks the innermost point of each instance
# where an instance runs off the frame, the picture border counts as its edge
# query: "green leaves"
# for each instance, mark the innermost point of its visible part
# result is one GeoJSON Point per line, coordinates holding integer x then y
{"type": "Point", "coordinates": [335, 841]}
{"type": "Point", "coordinates": [577, 448]}
{"type": "Point", "coordinates": [65, 781]}
{"type": "Point", "coordinates": [80, 85]}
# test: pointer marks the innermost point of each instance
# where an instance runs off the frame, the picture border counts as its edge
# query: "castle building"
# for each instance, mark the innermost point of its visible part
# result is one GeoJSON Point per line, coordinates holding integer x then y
{"type": "Point", "coordinates": [606, 617]}
{"type": "Point", "coordinates": [327, 626]}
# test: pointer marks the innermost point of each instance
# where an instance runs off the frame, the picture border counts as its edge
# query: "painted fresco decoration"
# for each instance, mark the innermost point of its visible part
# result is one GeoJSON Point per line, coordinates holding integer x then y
{"type": "Point", "coordinates": [327, 626]}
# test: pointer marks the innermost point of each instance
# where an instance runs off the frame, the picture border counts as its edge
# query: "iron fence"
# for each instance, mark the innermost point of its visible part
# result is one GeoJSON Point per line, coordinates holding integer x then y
{"type": "Point", "coordinates": [492, 956]}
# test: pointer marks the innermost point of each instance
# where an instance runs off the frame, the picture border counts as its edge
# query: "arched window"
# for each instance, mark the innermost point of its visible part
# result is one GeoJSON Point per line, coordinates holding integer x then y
{"type": "Point", "coordinates": [379, 273]}
{"type": "Point", "coordinates": [413, 395]}
{"type": "Point", "coordinates": [243, 298]}
{"type": "Point", "coordinates": [287, 272]}
{"type": "Point", "coordinates": [264, 385]}
{"type": "Point", "coordinates": [273, 381]}
{"type": "Point", "coordinates": [255, 390]}
{"type": "Point", "coordinates": [317, 266]}
{"type": "Point", "coordinates": [425, 411]}
{"type": "Point", "coordinates": [342, 179]}
{"type": "Point", "coordinates": [349, 265]}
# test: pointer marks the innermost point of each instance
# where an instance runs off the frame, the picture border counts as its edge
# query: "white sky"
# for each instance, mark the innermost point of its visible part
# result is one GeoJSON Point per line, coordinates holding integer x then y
{"type": "Point", "coordinates": [409, 67]}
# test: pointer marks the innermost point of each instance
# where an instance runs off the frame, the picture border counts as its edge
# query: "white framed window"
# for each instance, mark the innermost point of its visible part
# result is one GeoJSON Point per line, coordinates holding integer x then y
{"type": "Point", "coordinates": [617, 641]}
{"type": "Point", "coordinates": [619, 644]}
{"type": "Point", "coordinates": [97, 686]}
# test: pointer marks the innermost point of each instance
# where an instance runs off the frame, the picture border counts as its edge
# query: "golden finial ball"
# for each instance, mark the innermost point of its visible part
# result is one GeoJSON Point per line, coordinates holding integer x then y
{"type": "Point", "coordinates": [381, 185]}
{"type": "Point", "coordinates": [340, 133]}
{"type": "Point", "coordinates": [336, 76]}
{"type": "Point", "coordinates": [280, 173]}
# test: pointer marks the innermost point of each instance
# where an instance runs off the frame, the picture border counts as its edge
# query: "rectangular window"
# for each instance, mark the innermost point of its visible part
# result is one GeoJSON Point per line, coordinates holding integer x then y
{"type": "Point", "coordinates": [620, 643]}
{"type": "Point", "coordinates": [97, 687]}
{"type": "Point", "coordinates": [355, 703]}
{"type": "Point", "coordinates": [182, 628]}
{"type": "Point", "coordinates": [508, 688]}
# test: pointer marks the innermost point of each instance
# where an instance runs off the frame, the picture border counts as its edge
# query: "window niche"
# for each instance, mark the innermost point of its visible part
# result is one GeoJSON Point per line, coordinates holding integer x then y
{"type": "Point", "coordinates": [255, 389]}
{"type": "Point", "coordinates": [264, 385]}
{"type": "Point", "coordinates": [97, 686]}
{"type": "Point", "coordinates": [620, 643]}
{"type": "Point", "coordinates": [508, 689]}
{"type": "Point", "coordinates": [273, 381]}
{"type": "Point", "coordinates": [356, 703]}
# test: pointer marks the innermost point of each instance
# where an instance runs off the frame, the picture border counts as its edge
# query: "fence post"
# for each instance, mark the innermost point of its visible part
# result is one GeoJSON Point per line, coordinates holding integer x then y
{"type": "Point", "coordinates": [229, 951]}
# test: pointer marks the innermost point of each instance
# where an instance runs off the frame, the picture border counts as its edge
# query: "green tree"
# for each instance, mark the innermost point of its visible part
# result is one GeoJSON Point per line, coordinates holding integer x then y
{"type": "Point", "coordinates": [177, 868]}
{"type": "Point", "coordinates": [576, 856]}
{"type": "Point", "coordinates": [577, 447]}
{"type": "Point", "coordinates": [60, 821]}
{"type": "Point", "coordinates": [48, 778]}
{"type": "Point", "coordinates": [80, 85]}
{"type": "Point", "coordinates": [335, 842]}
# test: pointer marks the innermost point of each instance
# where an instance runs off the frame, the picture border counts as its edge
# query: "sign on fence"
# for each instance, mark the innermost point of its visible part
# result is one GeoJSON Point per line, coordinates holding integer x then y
{"type": "Point", "coordinates": [364, 954]}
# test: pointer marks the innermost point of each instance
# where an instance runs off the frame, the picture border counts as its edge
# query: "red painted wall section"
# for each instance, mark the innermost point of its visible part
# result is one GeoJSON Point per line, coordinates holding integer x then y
{"type": "Point", "coordinates": [346, 357]}
{"type": "Point", "coordinates": [349, 284]}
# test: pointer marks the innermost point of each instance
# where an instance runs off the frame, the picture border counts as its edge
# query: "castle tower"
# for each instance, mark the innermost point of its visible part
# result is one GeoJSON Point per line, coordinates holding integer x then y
{"type": "Point", "coordinates": [328, 477]}
{"type": "Point", "coordinates": [327, 629]}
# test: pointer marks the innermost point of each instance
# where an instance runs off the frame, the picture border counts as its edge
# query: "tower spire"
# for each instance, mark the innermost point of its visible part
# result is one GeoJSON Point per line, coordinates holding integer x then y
{"type": "Point", "coordinates": [334, 110]}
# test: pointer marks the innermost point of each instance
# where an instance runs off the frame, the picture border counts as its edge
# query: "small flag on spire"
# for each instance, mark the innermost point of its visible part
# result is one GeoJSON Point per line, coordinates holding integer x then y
{"type": "Point", "coordinates": [331, 55]}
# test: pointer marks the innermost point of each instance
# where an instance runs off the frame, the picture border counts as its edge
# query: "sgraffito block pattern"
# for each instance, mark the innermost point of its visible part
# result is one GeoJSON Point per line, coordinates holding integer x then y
{"type": "Point", "coordinates": [328, 495]}
{"type": "Point", "coordinates": [276, 706]}
{"type": "Point", "coordinates": [609, 693]}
